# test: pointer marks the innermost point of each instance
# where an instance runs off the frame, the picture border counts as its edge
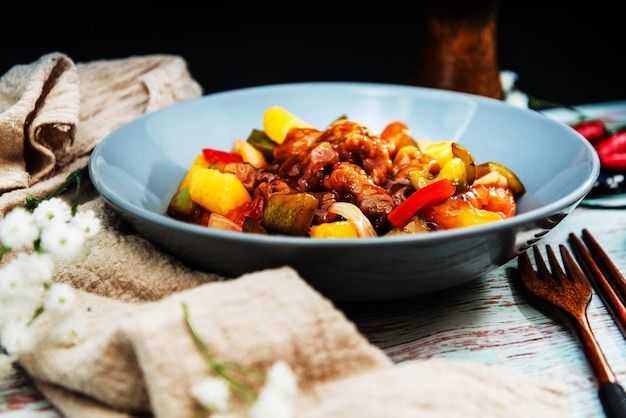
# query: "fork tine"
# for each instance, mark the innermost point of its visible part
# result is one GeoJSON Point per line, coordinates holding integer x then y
{"type": "Point", "coordinates": [555, 266]}
{"type": "Point", "coordinates": [541, 265]}
{"type": "Point", "coordinates": [574, 270]}
{"type": "Point", "coordinates": [524, 265]}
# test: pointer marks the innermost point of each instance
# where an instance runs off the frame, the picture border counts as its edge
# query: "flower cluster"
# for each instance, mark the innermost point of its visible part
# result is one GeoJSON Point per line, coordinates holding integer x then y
{"type": "Point", "coordinates": [35, 239]}
{"type": "Point", "coordinates": [275, 399]}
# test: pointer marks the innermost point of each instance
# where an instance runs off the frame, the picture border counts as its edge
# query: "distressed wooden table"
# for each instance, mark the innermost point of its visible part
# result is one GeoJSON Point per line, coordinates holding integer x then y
{"type": "Point", "coordinates": [487, 320]}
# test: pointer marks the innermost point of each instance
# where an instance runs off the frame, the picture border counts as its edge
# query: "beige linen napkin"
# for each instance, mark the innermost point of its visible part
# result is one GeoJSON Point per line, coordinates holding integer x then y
{"type": "Point", "coordinates": [42, 103]}
{"type": "Point", "coordinates": [138, 358]}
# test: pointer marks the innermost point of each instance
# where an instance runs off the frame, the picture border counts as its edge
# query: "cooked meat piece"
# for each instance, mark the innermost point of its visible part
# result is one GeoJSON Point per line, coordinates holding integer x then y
{"type": "Point", "coordinates": [345, 163]}
{"type": "Point", "coordinates": [309, 168]}
{"type": "Point", "coordinates": [322, 215]}
{"type": "Point", "coordinates": [276, 186]}
{"type": "Point", "coordinates": [355, 144]}
{"type": "Point", "coordinates": [408, 159]}
{"type": "Point", "coordinates": [250, 176]}
{"type": "Point", "coordinates": [352, 184]}
{"type": "Point", "coordinates": [297, 142]}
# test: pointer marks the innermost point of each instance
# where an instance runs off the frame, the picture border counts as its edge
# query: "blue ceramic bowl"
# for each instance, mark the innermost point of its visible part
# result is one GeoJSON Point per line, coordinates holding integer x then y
{"type": "Point", "coordinates": [138, 167]}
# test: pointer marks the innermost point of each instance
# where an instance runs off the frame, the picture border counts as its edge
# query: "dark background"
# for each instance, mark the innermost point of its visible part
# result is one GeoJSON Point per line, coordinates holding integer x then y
{"type": "Point", "coordinates": [562, 52]}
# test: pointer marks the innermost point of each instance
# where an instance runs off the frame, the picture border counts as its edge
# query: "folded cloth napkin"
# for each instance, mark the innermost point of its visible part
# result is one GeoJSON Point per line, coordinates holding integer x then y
{"type": "Point", "coordinates": [138, 358]}
{"type": "Point", "coordinates": [53, 112]}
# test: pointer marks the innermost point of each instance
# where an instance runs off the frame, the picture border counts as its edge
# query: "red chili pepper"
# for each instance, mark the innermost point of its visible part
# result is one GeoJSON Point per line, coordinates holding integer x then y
{"type": "Point", "coordinates": [218, 156]}
{"type": "Point", "coordinates": [426, 196]}
{"type": "Point", "coordinates": [612, 151]}
{"type": "Point", "coordinates": [592, 129]}
{"type": "Point", "coordinates": [614, 162]}
{"type": "Point", "coordinates": [613, 143]}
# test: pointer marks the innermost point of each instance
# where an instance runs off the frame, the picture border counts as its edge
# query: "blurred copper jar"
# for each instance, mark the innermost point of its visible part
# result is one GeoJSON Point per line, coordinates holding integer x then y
{"type": "Point", "coordinates": [460, 48]}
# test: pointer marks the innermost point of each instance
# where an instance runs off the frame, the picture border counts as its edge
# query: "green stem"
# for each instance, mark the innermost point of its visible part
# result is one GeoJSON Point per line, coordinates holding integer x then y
{"type": "Point", "coordinates": [76, 177]}
{"type": "Point", "coordinates": [4, 250]}
{"type": "Point", "coordinates": [253, 374]}
{"type": "Point", "coordinates": [204, 350]}
{"type": "Point", "coordinates": [38, 312]}
{"type": "Point", "coordinates": [242, 390]}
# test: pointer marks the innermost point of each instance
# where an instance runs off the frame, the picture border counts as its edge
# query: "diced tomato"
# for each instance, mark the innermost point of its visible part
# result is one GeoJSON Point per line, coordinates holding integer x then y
{"type": "Point", "coordinates": [397, 133]}
{"type": "Point", "coordinates": [252, 209]}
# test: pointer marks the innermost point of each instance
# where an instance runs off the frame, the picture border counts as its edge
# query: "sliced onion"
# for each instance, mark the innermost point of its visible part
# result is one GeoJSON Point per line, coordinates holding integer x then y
{"type": "Point", "coordinates": [352, 213]}
{"type": "Point", "coordinates": [222, 222]}
{"type": "Point", "coordinates": [249, 154]}
{"type": "Point", "coordinates": [493, 177]}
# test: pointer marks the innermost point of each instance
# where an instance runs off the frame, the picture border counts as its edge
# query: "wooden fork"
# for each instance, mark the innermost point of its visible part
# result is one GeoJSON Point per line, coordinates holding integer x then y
{"type": "Point", "coordinates": [566, 297]}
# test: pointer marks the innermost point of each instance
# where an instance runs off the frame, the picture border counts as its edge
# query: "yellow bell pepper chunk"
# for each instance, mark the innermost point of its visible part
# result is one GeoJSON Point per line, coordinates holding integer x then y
{"type": "Point", "coordinates": [199, 162]}
{"type": "Point", "coordinates": [216, 191]}
{"type": "Point", "coordinates": [441, 151]}
{"type": "Point", "coordinates": [338, 229]}
{"type": "Point", "coordinates": [475, 217]}
{"type": "Point", "coordinates": [277, 122]}
{"type": "Point", "coordinates": [464, 217]}
{"type": "Point", "coordinates": [453, 170]}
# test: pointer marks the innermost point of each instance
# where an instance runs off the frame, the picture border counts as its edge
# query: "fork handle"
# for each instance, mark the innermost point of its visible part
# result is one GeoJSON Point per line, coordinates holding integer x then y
{"type": "Point", "coordinates": [613, 399]}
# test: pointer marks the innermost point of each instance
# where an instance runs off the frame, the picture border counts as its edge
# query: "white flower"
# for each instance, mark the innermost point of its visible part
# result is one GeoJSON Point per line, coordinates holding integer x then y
{"type": "Point", "coordinates": [277, 397]}
{"type": "Point", "coordinates": [68, 330]}
{"type": "Point", "coordinates": [11, 282]}
{"type": "Point", "coordinates": [212, 393]}
{"type": "Point", "coordinates": [51, 211]}
{"type": "Point", "coordinates": [35, 268]}
{"type": "Point", "coordinates": [63, 241]}
{"type": "Point", "coordinates": [6, 365]}
{"type": "Point", "coordinates": [20, 309]}
{"type": "Point", "coordinates": [18, 229]}
{"type": "Point", "coordinates": [87, 221]}
{"type": "Point", "coordinates": [17, 337]}
{"type": "Point", "coordinates": [19, 298]}
{"type": "Point", "coordinates": [280, 377]}
{"type": "Point", "coordinates": [50, 232]}
{"type": "Point", "coordinates": [59, 298]}
{"type": "Point", "coordinates": [272, 404]}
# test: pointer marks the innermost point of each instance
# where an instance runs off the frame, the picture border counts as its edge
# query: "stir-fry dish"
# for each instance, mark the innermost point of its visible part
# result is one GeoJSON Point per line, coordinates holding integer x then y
{"type": "Point", "coordinates": [291, 178]}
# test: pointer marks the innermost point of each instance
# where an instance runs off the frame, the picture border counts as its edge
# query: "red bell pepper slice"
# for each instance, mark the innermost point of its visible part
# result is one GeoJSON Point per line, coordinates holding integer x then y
{"type": "Point", "coordinates": [212, 155]}
{"type": "Point", "coordinates": [426, 196]}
